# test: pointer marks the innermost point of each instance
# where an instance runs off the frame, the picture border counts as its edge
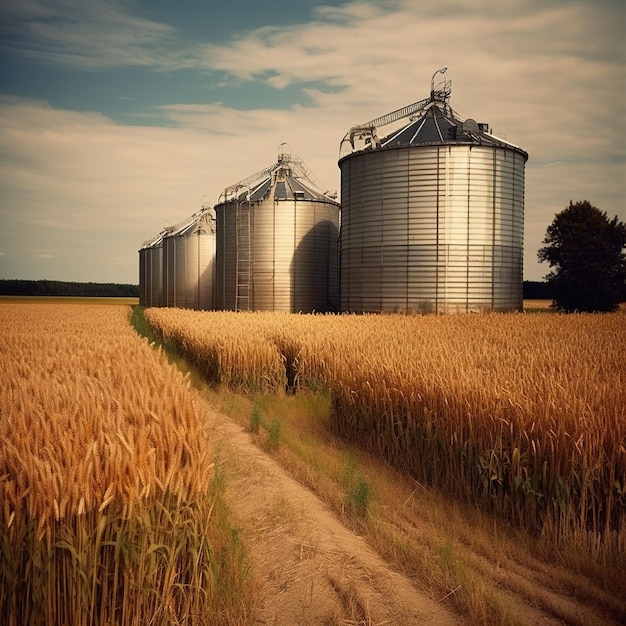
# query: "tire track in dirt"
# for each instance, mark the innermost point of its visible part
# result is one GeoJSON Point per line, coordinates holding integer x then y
{"type": "Point", "coordinates": [310, 568]}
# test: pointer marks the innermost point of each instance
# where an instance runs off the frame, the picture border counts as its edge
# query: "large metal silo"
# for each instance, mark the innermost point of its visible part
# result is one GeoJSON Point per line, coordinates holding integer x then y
{"type": "Point", "coordinates": [150, 271]}
{"type": "Point", "coordinates": [277, 239]}
{"type": "Point", "coordinates": [432, 215]}
{"type": "Point", "coordinates": [188, 262]}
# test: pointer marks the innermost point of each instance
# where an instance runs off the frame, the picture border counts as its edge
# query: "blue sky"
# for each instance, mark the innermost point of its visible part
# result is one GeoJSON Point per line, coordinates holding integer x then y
{"type": "Point", "coordinates": [119, 116]}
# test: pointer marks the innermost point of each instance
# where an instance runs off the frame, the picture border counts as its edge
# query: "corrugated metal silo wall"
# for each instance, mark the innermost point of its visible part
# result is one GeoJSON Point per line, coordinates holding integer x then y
{"type": "Point", "coordinates": [154, 259]}
{"type": "Point", "coordinates": [180, 270]}
{"type": "Point", "coordinates": [189, 251]}
{"type": "Point", "coordinates": [225, 256]}
{"type": "Point", "coordinates": [156, 275]}
{"type": "Point", "coordinates": [188, 267]}
{"type": "Point", "coordinates": [432, 229]}
{"type": "Point", "coordinates": [198, 245]}
{"type": "Point", "coordinates": [292, 265]}
{"type": "Point", "coordinates": [169, 272]}
{"type": "Point", "coordinates": [206, 263]}
{"type": "Point", "coordinates": [143, 276]}
{"type": "Point", "coordinates": [150, 276]}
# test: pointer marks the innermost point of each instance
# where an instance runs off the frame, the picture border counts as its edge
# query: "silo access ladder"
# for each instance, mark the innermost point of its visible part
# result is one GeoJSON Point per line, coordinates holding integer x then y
{"type": "Point", "coordinates": [244, 260]}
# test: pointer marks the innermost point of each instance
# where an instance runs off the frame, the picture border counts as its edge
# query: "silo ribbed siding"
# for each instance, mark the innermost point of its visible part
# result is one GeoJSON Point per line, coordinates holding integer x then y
{"type": "Point", "coordinates": [205, 236]}
{"type": "Point", "coordinates": [181, 253]}
{"type": "Point", "coordinates": [277, 255]}
{"type": "Point", "coordinates": [143, 275]}
{"type": "Point", "coordinates": [432, 229]}
{"type": "Point", "coordinates": [169, 271]}
{"type": "Point", "coordinates": [150, 273]}
{"type": "Point", "coordinates": [226, 257]}
{"type": "Point", "coordinates": [188, 264]}
{"type": "Point", "coordinates": [277, 243]}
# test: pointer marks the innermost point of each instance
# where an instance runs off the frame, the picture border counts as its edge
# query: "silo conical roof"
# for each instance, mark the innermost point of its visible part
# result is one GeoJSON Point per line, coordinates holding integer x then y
{"type": "Point", "coordinates": [432, 121]}
{"type": "Point", "coordinates": [439, 124]}
{"type": "Point", "coordinates": [287, 179]}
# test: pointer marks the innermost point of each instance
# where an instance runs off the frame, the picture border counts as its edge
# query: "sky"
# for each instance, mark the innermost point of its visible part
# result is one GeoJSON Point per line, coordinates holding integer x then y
{"type": "Point", "coordinates": [118, 117]}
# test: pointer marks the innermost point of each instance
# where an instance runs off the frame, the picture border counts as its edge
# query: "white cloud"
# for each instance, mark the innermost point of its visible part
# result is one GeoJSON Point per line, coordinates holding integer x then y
{"type": "Point", "coordinates": [539, 73]}
{"type": "Point", "coordinates": [540, 77]}
{"type": "Point", "coordinates": [88, 34]}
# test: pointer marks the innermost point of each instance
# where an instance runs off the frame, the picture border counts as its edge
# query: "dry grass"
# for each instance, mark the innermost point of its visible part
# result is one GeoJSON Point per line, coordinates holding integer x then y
{"type": "Point", "coordinates": [537, 305]}
{"type": "Point", "coordinates": [522, 414]}
{"type": "Point", "coordinates": [488, 571]}
{"type": "Point", "coordinates": [105, 476]}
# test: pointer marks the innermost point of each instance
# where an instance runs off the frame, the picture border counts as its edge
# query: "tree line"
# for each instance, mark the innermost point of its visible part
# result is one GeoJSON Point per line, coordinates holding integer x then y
{"type": "Point", "coordinates": [533, 290]}
{"type": "Point", "coordinates": [14, 287]}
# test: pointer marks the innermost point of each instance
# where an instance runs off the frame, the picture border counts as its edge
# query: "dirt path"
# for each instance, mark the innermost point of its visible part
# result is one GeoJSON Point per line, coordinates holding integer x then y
{"type": "Point", "coordinates": [311, 568]}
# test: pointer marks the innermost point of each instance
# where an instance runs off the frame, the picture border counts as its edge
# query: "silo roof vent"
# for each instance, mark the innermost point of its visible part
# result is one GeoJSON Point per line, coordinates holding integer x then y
{"type": "Point", "coordinates": [288, 178]}
{"type": "Point", "coordinates": [431, 121]}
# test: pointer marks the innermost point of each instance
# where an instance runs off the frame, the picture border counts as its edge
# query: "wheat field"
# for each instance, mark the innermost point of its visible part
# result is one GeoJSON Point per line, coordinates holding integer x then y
{"type": "Point", "coordinates": [521, 413]}
{"type": "Point", "coordinates": [105, 473]}
{"type": "Point", "coordinates": [106, 464]}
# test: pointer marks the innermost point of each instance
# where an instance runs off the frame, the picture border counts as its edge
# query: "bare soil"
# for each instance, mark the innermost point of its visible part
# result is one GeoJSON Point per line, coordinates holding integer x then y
{"type": "Point", "coordinates": [310, 568]}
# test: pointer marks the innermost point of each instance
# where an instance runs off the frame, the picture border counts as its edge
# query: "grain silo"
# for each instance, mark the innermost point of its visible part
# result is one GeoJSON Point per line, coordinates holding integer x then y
{"type": "Point", "coordinates": [277, 239]}
{"type": "Point", "coordinates": [432, 214]}
{"type": "Point", "coordinates": [150, 271]}
{"type": "Point", "coordinates": [188, 262]}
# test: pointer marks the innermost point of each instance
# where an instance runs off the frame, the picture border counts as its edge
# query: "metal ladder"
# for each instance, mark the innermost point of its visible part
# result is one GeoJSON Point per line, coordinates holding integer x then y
{"type": "Point", "coordinates": [244, 261]}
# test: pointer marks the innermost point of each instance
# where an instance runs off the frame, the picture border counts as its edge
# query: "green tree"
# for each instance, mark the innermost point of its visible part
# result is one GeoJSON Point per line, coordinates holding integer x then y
{"type": "Point", "coordinates": [586, 251]}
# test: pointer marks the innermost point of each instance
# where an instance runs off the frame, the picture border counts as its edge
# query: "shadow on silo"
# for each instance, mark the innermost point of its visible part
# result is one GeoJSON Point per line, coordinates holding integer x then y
{"type": "Point", "coordinates": [205, 297]}
{"type": "Point", "coordinates": [314, 271]}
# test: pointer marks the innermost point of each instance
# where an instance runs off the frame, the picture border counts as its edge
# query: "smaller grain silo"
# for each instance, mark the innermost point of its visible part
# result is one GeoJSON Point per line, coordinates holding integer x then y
{"type": "Point", "coordinates": [150, 271]}
{"type": "Point", "coordinates": [277, 239]}
{"type": "Point", "coordinates": [188, 262]}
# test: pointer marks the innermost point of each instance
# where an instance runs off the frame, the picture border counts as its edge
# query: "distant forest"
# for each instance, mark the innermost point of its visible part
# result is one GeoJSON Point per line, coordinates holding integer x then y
{"type": "Point", "coordinates": [63, 288]}
{"type": "Point", "coordinates": [533, 290]}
